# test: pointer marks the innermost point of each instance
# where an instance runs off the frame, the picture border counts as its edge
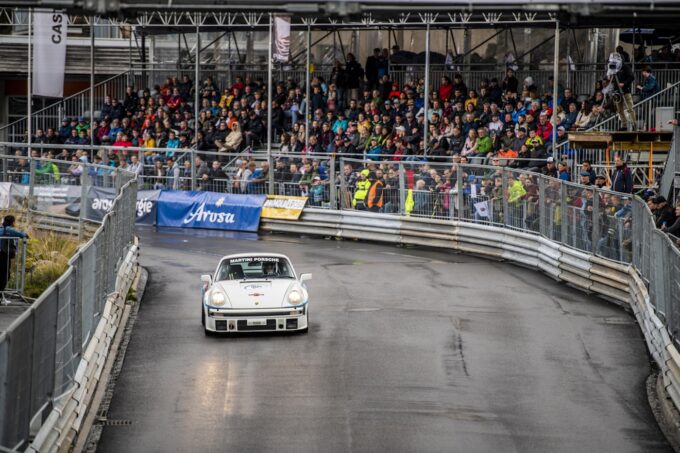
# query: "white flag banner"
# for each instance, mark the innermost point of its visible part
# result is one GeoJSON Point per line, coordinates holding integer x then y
{"type": "Point", "coordinates": [49, 53]}
{"type": "Point", "coordinates": [482, 208]}
{"type": "Point", "coordinates": [281, 39]}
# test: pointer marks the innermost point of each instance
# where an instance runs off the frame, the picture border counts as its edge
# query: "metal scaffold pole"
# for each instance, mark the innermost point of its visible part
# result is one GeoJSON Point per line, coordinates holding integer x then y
{"type": "Point", "coordinates": [197, 87]}
{"type": "Point", "coordinates": [556, 74]}
{"type": "Point", "coordinates": [269, 105]}
{"type": "Point", "coordinates": [426, 105]}
{"type": "Point", "coordinates": [29, 86]}
{"type": "Point", "coordinates": [92, 81]}
{"type": "Point", "coordinates": [307, 83]}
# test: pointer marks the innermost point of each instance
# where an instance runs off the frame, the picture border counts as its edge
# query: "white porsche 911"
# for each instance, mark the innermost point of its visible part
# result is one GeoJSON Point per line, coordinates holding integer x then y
{"type": "Point", "coordinates": [255, 292]}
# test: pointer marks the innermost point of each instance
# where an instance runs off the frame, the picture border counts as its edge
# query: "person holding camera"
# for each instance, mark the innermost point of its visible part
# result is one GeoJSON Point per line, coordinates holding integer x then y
{"type": "Point", "coordinates": [8, 248]}
{"type": "Point", "coordinates": [621, 80]}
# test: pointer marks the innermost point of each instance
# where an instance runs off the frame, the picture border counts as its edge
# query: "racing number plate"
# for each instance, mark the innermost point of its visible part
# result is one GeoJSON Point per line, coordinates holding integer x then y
{"type": "Point", "coordinates": [257, 322]}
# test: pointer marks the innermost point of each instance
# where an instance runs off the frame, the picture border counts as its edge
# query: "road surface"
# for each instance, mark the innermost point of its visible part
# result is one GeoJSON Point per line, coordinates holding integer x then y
{"type": "Point", "coordinates": [409, 350]}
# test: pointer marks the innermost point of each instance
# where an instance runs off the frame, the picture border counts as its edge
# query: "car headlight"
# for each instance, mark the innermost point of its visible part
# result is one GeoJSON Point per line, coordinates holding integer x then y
{"type": "Point", "coordinates": [217, 299]}
{"type": "Point", "coordinates": [294, 297]}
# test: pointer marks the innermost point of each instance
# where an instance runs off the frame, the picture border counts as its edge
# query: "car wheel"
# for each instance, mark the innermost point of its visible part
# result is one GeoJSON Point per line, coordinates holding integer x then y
{"type": "Point", "coordinates": [202, 315]}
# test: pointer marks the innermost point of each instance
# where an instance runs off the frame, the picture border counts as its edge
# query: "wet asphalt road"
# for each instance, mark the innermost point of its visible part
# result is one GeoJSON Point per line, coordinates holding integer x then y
{"type": "Point", "coordinates": [409, 350]}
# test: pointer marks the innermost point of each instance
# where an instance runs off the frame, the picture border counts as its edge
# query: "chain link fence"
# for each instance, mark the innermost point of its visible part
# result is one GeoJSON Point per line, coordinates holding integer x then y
{"type": "Point", "coordinates": [41, 350]}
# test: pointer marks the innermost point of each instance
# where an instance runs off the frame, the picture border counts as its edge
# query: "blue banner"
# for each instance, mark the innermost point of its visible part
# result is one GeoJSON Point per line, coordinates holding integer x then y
{"type": "Point", "coordinates": [213, 210]}
{"type": "Point", "coordinates": [99, 201]}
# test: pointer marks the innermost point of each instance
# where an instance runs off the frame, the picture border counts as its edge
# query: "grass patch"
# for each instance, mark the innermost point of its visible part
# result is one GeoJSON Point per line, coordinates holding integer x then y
{"type": "Point", "coordinates": [47, 256]}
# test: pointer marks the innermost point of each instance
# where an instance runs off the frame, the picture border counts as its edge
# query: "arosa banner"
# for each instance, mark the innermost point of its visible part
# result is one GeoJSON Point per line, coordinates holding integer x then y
{"type": "Point", "coordinates": [99, 201]}
{"type": "Point", "coordinates": [49, 54]}
{"type": "Point", "coordinates": [212, 210]}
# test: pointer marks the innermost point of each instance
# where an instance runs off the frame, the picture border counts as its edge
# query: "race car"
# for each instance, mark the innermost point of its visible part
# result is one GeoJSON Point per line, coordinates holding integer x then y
{"type": "Point", "coordinates": [252, 292]}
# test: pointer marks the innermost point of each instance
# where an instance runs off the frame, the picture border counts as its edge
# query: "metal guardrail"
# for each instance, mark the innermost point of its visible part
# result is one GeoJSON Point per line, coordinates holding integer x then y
{"type": "Point", "coordinates": [40, 352]}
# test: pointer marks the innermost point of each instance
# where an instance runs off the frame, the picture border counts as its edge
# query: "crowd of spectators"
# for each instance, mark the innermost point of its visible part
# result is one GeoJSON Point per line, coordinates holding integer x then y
{"type": "Point", "coordinates": [358, 112]}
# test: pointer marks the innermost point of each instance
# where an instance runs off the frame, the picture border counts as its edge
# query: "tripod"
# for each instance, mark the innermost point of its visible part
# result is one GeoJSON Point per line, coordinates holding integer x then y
{"type": "Point", "coordinates": [624, 108]}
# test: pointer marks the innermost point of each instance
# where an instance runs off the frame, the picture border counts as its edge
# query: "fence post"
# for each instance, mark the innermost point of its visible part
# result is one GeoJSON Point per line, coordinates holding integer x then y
{"type": "Point", "coordinates": [343, 186]}
{"type": "Point", "coordinates": [193, 171]}
{"type": "Point", "coordinates": [334, 188]}
{"type": "Point", "coordinates": [84, 176]}
{"type": "Point", "coordinates": [563, 213]}
{"type": "Point", "coordinates": [402, 190]}
{"type": "Point", "coordinates": [459, 191]}
{"type": "Point", "coordinates": [270, 174]}
{"type": "Point", "coordinates": [5, 172]}
{"type": "Point", "coordinates": [23, 266]}
{"type": "Point", "coordinates": [541, 206]}
{"type": "Point", "coordinates": [31, 186]}
{"type": "Point", "coordinates": [506, 195]}
{"type": "Point", "coordinates": [595, 220]}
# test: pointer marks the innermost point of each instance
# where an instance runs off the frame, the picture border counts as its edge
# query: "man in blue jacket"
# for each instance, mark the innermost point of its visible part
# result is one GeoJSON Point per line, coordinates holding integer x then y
{"type": "Point", "coordinates": [8, 248]}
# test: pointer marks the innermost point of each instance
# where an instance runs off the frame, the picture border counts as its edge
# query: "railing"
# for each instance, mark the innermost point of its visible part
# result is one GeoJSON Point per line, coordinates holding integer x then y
{"type": "Point", "coordinates": [72, 106]}
{"type": "Point", "coordinates": [645, 110]}
{"type": "Point", "coordinates": [41, 351]}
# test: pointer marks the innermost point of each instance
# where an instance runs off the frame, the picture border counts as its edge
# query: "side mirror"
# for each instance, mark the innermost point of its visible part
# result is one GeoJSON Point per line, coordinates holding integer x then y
{"type": "Point", "coordinates": [207, 279]}
{"type": "Point", "coordinates": [305, 277]}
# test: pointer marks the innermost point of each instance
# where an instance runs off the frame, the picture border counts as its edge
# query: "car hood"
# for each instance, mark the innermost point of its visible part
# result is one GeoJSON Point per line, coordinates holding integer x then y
{"type": "Point", "coordinates": [259, 293]}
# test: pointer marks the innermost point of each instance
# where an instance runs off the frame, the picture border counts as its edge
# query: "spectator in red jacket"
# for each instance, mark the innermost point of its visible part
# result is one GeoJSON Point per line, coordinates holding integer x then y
{"type": "Point", "coordinates": [544, 128]}
{"type": "Point", "coordinates": [445, 89]}
{"type": "Point", "coordinates": [174, 100]}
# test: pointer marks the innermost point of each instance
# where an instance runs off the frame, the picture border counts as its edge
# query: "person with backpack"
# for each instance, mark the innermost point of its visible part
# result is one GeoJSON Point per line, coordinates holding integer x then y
{"type": "Point", "coordinates": [8, 248]}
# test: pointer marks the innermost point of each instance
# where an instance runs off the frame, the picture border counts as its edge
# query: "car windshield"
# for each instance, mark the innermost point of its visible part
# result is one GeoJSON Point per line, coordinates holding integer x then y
{"type": "Point", "coordinates": [251, 267]}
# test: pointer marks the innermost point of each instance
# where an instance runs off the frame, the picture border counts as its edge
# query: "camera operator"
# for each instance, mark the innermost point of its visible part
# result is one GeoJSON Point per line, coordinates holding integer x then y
{"type": "Point", "coordinates": [621, 81]}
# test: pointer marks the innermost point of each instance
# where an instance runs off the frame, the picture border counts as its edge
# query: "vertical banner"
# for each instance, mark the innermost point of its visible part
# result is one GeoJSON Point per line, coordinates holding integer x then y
{"type": "Point", "coordinates": [49, 53]}
{"type": "Point", "coordinates": [281, 39]}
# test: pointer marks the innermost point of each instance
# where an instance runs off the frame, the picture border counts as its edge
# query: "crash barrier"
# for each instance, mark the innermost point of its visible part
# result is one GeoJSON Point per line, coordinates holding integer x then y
{"type": "Point", "coordinates": [64, 423]}
{"type": "Point", "coordinates": [51, 356]}
{"type": "Point", "coordinates": [648, 284]}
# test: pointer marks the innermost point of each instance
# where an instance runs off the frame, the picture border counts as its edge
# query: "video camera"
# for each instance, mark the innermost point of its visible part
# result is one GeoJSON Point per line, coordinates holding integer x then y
{"type": "Point", "coordinates": [614, 64]}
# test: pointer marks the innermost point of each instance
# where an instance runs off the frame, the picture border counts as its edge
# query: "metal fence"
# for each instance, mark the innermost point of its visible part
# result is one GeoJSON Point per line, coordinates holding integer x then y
{"type": "Point", "coordinates": [41, 350]}
{"type": "Point", "coordinates": [584, 217]}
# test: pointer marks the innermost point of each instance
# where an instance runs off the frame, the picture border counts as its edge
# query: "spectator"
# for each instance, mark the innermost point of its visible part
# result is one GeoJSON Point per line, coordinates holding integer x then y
{"type": "Point", "coordinates": [8, 248]}
{"type": "Point", "coordinates": [622, 179]}
{"type": "Point", "coordinates": [663, 212]}
{"type": "Point", "coordinates": [674, 229]}
{"type": "Point", "coordinates": [374, 198]}
{"type": "Point", "coordinates": [649, 87]}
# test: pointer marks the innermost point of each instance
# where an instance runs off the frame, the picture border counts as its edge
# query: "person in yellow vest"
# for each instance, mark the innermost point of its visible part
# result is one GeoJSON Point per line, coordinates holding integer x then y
{"type": "Point", "coordinates": [361, 190]}
{"type": "Point", "coordinates": [375, 193]}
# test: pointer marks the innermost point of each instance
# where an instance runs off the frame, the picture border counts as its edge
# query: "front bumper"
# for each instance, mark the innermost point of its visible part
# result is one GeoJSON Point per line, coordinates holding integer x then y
{"type": "Point", "coordinates": [263, 320]}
